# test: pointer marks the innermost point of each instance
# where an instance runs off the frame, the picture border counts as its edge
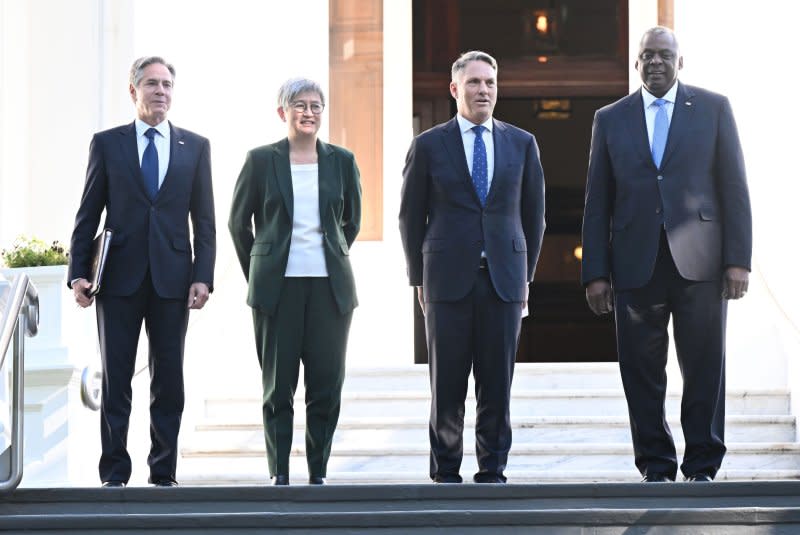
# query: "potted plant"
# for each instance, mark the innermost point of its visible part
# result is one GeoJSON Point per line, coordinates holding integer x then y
{"type": "Point", "coordinates": [32, 252]}
{"type": "Point", "coordinates": [46, 265]}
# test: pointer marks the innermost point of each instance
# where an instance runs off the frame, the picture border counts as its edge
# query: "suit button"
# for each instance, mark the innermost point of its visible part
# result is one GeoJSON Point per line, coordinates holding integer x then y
{"type": "Point", "coordinates": [658, 210]}
{"type": "Point", "coordinates": [660, 177]}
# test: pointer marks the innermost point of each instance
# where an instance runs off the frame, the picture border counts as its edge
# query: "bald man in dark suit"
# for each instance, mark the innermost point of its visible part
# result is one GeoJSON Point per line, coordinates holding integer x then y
{"type": "Point", "coordinates": [667, 234]}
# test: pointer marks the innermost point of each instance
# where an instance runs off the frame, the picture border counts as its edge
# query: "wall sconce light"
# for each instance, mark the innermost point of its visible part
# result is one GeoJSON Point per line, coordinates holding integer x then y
{"type": "Point", "coordinates": [540, 31]}
{"type": "Point", "coordinates": [578, 252]}
{"type": "Point", "coordinates": [542, 24]}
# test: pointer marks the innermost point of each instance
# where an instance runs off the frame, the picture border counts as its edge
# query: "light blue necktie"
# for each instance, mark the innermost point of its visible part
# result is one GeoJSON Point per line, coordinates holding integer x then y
{"type": "Point", "coordinates": [150, 165]}
{"type": "Point", "coordinates": [660, 131]}
{"type": "Point", "coordinates": [480, 175]}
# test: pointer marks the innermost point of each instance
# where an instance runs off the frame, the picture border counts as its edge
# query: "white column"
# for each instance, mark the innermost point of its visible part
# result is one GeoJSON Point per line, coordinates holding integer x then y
{"type": "Point", "coordinates": [55, 59]}
{"type": "Point", "coordinates": [15, 127]}
{"type": "Point", "coordinates": [382, 334]}
{"type": "Point", "coordinates": [730, 48]}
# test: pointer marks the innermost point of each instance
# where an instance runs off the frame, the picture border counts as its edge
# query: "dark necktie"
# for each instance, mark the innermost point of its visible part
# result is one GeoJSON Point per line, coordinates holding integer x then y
{"type": "Point", "coordinates": [660, 131]}
{"type": "Point", "coordinates": [150, 165]}
{"type": "Point", "coordinates": [480, 176]}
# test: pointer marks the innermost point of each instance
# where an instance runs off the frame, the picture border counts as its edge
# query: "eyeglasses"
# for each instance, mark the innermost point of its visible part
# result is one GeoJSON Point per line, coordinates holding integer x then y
{"type": "Point", "coordinates": [301, 107]}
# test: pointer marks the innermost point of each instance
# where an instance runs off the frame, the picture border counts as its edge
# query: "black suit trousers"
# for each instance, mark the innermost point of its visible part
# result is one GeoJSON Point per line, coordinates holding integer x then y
{"type": "Point", "coordinates": [478, 333]}
{"type": "Point", "coordinates": [698, 314]}
{"type": "Point", "coordinates": [119, 323]}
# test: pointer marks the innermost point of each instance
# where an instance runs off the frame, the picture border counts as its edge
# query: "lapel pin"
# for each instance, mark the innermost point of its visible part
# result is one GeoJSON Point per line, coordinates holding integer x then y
{"type": "Point", "coordinates": [180, 142]}
{"type": "Point", "coordinates": [688, 103]}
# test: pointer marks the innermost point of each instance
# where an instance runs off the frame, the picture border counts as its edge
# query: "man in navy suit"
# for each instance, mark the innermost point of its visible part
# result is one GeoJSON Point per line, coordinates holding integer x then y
{"type": "Point", "coordinates": [150, 177]}
{"type": "Point", "coordinates": [667, 233]}
{"type": "Point", "coordinates": [471, 222]}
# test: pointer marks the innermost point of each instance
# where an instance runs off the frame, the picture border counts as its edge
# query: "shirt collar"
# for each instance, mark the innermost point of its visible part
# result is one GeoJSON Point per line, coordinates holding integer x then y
{"type": "Point", "coordinates": [142, 127]}
{"type": "Point", "coordinates": [648, 98]}
{"type": "Point", "coordinates": [464, 125]}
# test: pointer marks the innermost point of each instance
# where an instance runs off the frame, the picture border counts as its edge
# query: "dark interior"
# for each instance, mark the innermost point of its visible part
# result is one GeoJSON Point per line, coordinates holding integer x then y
{"type": "Point", "coordinates": [559, 61]}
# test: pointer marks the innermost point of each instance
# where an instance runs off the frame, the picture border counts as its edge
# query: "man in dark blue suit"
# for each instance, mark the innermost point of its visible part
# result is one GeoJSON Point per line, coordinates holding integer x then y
{"type": "Point", "coordinates": [471, 222]}
{"type": "Point", "coordinates": [667, 233]}
{"type": "Point", "coordinates": [150, 177]}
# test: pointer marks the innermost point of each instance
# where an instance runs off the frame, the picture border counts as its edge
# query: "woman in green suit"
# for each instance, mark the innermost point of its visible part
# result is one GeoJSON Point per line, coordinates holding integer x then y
{"type": "Point", "coordinates": [295, 213]}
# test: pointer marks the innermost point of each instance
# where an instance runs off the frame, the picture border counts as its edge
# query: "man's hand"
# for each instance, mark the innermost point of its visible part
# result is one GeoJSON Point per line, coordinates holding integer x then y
{"type": "Point", "coordinates": [80, 288]}
{"type": "Point", "coordinates": [599, 296]}
{"type": "Point", "coordinates": [734, 283]}
{"type": "Point", "coordinates": [421, 299]}
{"type": "Point", "coordinates": [198, 295]}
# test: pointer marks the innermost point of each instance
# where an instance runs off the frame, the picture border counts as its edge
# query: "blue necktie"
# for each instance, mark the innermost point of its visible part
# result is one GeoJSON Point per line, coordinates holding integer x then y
{"type": "Point", "coordinates": [150, 165]}
{"type": "Point", "coordinates": [660, 131]}
{"type": "Point", "coordinates": [480, 176]}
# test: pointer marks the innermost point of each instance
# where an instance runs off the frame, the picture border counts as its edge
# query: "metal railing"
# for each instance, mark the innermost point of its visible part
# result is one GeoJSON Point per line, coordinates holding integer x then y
{"type": "Point", "coordinates": [20, 318]}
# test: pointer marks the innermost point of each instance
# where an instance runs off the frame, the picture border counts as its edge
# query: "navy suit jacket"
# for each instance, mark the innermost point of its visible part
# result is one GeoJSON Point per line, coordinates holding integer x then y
{"type": "Point", "coordinates": [444, 228]}
{"type": "Point", "coordinates": [698, 195]}
{"type": "Point", "coordinates": [148, 234]}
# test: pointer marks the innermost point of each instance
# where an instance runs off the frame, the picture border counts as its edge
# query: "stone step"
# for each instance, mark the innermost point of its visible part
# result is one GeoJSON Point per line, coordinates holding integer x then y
{"type": "Point", "coordinates": [547, 402]}
{"type": "Point", "coordinates": [255, 473]}
{"type": "Point", "coordinates": [739, 428]}
{"type": "Point", "coordinates": [394, 462]}
{"type": "Point", "coordinates": [527, 376]}
{"type": "Point", "coordinates": [752, 508]}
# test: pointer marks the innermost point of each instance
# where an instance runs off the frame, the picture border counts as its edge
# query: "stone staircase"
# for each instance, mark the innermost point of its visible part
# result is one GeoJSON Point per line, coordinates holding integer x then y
{"type": "Point", "coordinates": [570, 425]}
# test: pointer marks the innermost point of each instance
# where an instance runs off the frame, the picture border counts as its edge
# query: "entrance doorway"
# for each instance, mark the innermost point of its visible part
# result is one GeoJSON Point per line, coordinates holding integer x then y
{"type": "Point", "coordinates": [558, 62]}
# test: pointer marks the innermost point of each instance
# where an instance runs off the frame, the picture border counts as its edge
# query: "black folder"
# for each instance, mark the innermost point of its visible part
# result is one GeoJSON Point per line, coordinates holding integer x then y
{"type": "Point", "coordinates": [100, 247]}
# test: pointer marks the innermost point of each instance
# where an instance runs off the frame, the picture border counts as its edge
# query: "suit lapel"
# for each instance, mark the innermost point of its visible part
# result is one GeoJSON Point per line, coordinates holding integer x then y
{"type": "Point", "coordinates": [453, 142]}
{"type": "Point", "coordinates": [328, 178]}
{"type": "Point", "coordinates": [177, 149]}
{"type": "Point", "coordinates": [283, 175]}
{"type": "Point", "coordinates": [637, 126]}
{"type": "Point", "coordinates": [682, 113]}
{"type": "Point", "coordinates": [502, 156]}
{"type": "Point", "coordinates": [130, 153]}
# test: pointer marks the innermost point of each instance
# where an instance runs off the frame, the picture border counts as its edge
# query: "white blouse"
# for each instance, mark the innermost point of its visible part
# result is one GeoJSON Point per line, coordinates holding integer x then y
{"type": "Point", "coordinates": [306, 254]}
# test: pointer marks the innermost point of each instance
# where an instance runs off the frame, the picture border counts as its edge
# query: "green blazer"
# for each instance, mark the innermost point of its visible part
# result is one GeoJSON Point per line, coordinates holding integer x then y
{"type": "Point", "coordinates": [263, 198]}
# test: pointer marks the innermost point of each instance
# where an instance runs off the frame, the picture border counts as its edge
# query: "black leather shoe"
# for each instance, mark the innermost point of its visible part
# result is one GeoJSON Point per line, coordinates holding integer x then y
{"type": "Point", "coordinates": [700, 477]}
{"type": "Point", "coordinates": [447, 478]}
{"type": "Point", "coordinates": [489, 478]}
{"type": "Point", "coordinates": [165, 483]}
{"type": "Point", "coordinates": [316, 480]}
{"type": "Point", "coordinates": [280, 479]}
{"type": "Point", "coordinates": [656, 478]}
{"type": "Point", "coordinates": [117, 484]}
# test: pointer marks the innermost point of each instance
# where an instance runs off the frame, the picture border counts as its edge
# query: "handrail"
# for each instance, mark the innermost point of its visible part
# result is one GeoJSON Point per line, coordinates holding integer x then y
{"type": "Point", "coordinates": [23, 293]}
{"type": "Point", "coordinates": [21, 319]}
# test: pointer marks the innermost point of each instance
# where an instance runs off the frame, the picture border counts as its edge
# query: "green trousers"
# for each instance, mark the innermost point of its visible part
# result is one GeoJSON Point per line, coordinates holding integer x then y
{"type": "Point", "coordinates": [307, 326]}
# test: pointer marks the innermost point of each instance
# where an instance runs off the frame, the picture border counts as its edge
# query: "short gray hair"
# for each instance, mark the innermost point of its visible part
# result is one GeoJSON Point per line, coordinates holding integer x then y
{"type": "Point", "coordinates": [473, 55]}
{"type": "Point", "coordinates": [657, 30]}
{"type": "Point", "coordinates": [293, 87]}
{"type": "Point", "coordinates": [138, 67]}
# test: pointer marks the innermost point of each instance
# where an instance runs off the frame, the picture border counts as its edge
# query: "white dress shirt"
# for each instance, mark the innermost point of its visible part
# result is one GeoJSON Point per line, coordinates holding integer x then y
{"type": "Point", "coordinates": [306, 254]}
{"type": "Point", "coordinates": [468, 137]}
{"type": "Point", "coordinates": [651, 109]}
{"type": "Point", "coordinates": [162, 145]}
